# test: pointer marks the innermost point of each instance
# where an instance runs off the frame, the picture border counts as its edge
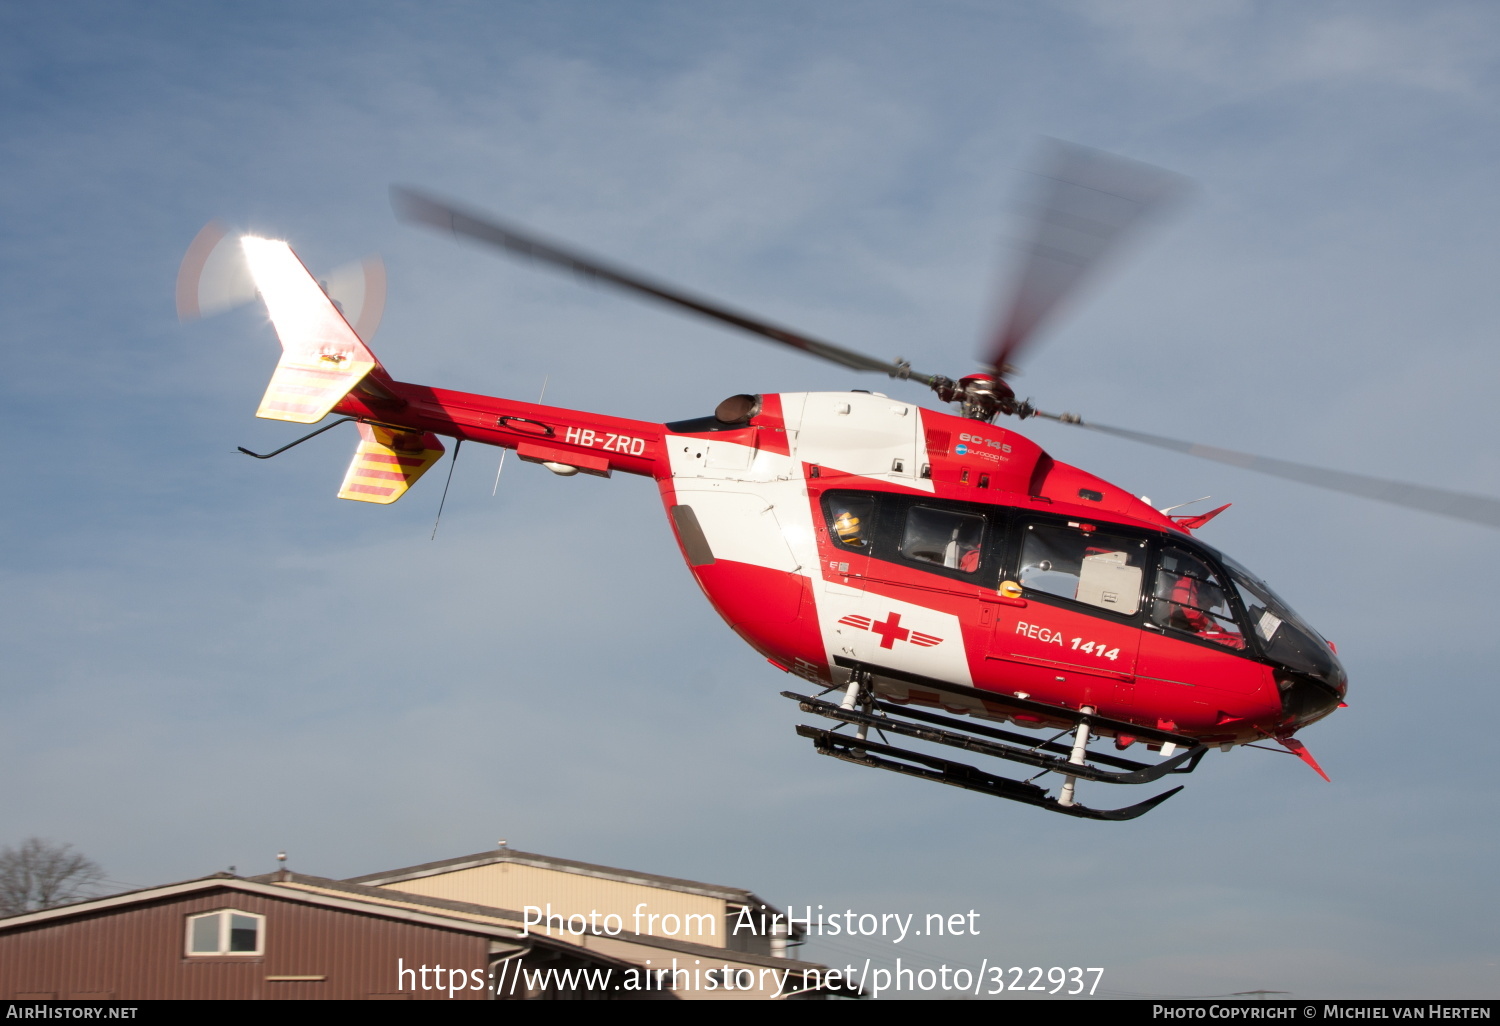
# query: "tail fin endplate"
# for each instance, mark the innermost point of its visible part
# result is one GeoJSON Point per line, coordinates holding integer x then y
{"type": "Point", "coordinates": [388, 462]}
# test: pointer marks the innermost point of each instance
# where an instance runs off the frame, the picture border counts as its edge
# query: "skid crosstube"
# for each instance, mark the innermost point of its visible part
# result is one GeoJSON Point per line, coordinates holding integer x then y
{"type": "Point", "coordinates": [956, 774]}
{"type": "Point", "coordinates": [961, 735]}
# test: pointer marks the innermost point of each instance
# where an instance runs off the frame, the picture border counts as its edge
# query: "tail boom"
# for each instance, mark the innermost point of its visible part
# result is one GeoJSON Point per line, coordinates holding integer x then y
{"type": "Point", "coordinates": [594, 443]}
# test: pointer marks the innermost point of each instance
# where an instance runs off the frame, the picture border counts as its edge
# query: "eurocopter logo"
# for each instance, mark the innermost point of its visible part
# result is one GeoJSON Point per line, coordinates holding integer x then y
{"type": "Point", "coordinates": [891, 631]}
{"type": "Point", "coordinates": [962, 450]}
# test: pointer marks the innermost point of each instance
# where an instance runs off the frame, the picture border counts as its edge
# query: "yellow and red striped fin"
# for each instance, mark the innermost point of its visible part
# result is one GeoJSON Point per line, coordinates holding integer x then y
{"type": "Point", "coordinates": [322, 358]}
{"type": "Point", "coordinates": [388, 462]}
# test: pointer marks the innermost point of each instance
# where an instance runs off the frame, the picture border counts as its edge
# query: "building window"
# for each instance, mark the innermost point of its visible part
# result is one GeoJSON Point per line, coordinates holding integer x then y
{"type": "Point", "coordinates": [226, 932]}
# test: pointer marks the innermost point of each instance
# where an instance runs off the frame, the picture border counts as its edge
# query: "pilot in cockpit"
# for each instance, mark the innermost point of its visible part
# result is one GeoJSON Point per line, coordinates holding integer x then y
{"type": "Point", "coordinates": [847, 526]}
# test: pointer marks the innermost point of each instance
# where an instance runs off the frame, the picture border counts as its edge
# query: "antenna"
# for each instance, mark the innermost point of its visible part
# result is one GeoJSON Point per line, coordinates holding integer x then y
{"type": "Point", "coordinates": [444, 501]}
{"type": "Point", "coordinates": [1182, 504]}
{"type": "Point", "coordinates": [503, 452]}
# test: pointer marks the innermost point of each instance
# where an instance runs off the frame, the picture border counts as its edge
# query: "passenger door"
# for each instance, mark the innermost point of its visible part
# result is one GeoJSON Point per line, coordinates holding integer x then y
{"type": "Point", "coordinates": [1072, 637]}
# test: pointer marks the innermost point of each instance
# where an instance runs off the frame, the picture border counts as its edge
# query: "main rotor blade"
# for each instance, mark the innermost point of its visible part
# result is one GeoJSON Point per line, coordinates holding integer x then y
{"type": "Point", "coordinates": [415, 206]}
{"type": "Point", "coordinates": [1476, 509]}
{"type": "Point", "coordinates": [1086, 201]}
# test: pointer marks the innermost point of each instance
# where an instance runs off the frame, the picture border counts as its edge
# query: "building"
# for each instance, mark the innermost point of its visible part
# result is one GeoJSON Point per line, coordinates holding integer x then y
{"type": "Point", "coordinates": [637, 904]}
{"type": "Point", "coordinates": [504, 924]}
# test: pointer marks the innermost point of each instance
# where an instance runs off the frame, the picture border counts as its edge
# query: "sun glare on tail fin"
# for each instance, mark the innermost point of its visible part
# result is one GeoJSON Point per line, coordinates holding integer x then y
{"type": "Point", "coordinates": [322, 358]}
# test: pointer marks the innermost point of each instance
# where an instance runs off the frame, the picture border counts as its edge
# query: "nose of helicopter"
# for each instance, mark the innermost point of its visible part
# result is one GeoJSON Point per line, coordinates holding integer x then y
{"type": "Point", "coordinates": [1307, 697]}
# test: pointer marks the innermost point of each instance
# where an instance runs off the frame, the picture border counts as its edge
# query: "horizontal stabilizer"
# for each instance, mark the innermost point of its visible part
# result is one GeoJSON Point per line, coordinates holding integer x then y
{"type": "Point", "coordinates": [322, 357]}
{"type": "Point", "coordinates": [388, 462]}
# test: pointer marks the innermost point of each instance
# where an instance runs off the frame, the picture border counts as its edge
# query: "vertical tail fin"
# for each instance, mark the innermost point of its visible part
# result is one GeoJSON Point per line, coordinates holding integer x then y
{"type": "Point", "coordinates": [322, 358]}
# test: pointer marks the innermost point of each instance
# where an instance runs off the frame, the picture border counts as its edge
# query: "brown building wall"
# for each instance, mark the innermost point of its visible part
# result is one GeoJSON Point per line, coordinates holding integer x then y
{"type": "Point", "coordinates": [138, 953]}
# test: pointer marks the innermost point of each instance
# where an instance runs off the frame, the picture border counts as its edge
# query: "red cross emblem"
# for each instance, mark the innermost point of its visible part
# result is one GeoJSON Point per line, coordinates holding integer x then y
{"type": "Point", "coordinates": [891, 631]}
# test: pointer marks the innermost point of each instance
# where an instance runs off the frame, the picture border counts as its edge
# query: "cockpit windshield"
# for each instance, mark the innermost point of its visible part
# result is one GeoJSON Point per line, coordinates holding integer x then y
{"type": "Point", "coordinates": [1284, 636]}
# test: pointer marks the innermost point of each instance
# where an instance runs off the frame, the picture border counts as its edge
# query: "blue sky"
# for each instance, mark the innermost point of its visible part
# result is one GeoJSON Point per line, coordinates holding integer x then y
{"type": "Point", "coordinates": [210, 659]}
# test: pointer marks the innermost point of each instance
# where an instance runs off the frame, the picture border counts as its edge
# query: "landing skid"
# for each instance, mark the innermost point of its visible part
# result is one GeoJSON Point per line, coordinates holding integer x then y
{"type": "Point", "coordinates": [868, 753]}
{"type": "Point", "coordinates": [1072, 762]}
{"type": "Point", "coordinates": [946, 730]}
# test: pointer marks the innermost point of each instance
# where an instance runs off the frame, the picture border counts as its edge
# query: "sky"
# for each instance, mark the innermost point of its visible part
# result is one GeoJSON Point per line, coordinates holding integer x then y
{"type": "Point", "coordinates": [209, 659]}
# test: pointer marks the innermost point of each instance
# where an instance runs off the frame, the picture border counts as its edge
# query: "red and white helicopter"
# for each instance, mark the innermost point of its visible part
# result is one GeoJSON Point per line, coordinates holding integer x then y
{"type": "Point", "coordinates": [943, 577]}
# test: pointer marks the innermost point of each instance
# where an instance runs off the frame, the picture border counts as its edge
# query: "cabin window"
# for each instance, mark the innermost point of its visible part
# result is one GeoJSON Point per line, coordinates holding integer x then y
{"type": "Point", "coordinates": [916, 533]}
{"type": "Point", "coordinates": [851, 520]}
{"type": "Point", "coordinates": [226, 932]}
{"type": "Point", "coordinates": [1189, 598]}
{"type": "Point", "coordinates": [943, 538]}
{"type": "Point", "coordinates": [1085, 565]}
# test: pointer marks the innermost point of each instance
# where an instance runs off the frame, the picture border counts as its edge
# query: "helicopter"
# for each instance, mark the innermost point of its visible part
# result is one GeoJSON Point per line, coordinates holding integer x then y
{"type": "Point", "coordinates": [927, 574]}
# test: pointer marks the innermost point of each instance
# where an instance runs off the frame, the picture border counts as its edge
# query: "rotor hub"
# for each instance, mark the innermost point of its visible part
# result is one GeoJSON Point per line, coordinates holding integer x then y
{"type": "Point", "coordinates": [982, 396]}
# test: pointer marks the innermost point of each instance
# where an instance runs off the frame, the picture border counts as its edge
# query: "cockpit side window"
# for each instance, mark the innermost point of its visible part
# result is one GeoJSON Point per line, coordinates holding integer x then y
{"type": "Point", "coordinates": [851, 520]}
{"type": "Point", "coordinates": [943, 537]}
{"type": "Point", "coordinates": [1093, 567]}
{"type": "Point", "coordinates": [1189, 598]}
